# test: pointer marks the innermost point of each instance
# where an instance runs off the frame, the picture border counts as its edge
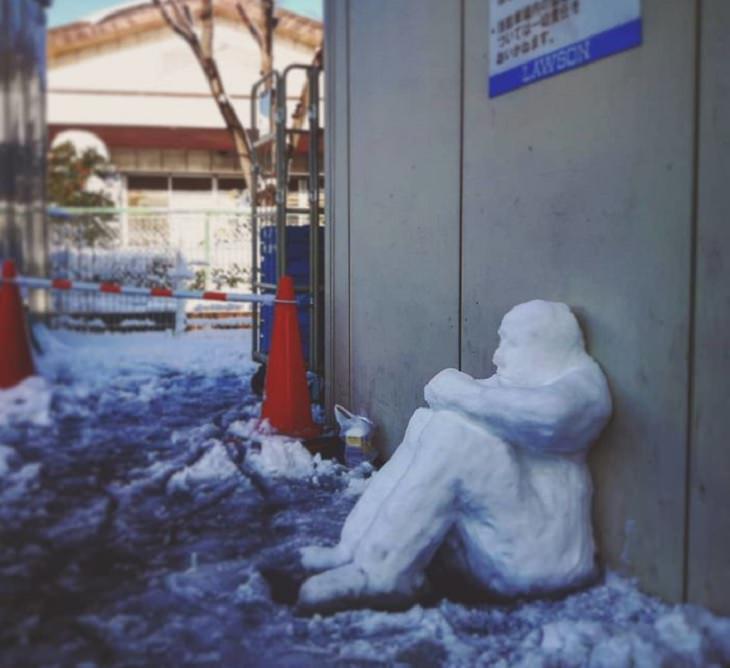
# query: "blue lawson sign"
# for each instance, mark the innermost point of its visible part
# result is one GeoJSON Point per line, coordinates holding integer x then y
{"type": "Point", "coordinates": [531, 41]}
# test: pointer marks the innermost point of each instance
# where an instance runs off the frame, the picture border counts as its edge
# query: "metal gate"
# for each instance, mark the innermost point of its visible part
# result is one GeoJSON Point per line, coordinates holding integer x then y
{"type": "Point", "coordinates": [287, 193]}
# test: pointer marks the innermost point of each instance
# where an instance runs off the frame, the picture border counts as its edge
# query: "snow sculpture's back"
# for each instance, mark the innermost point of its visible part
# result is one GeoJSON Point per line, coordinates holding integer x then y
{"type": "Point", "coordinates": [491, 478]}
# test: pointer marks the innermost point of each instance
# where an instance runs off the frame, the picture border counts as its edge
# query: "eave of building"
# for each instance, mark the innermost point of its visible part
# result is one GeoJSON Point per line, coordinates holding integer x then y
{"type": "Point", "coordinates": [133, 21]}
{"type": "Point", "coordinates": [130, 136]}
{"type": "Point", "coordinates": [164, 138]}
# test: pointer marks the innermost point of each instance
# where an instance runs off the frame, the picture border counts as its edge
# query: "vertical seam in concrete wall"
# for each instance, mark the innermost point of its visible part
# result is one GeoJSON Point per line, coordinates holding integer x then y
{"type": "Point", "coordinates": [460, 259]}
{"type": "Point", "coordinates": [349, 206]}
{"type": "Point", "coordinates": [692, 295]}
{"type": "Point", "coordinates": [329, 231]}
{"type": "Point", "coordinates": [332, 20]}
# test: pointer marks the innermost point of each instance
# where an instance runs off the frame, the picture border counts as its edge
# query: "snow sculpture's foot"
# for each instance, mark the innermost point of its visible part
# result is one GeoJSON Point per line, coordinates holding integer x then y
{"type": "Point", "coordinates": [317, 558]}
{"type": "Point", "coordinates": [333, 590]}
{"type": "Point", "coordinates": [349, 587]}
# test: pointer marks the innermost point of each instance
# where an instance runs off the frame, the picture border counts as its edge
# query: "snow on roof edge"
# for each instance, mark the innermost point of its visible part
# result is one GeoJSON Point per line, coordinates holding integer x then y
{"type": "Point", "coordinates": [135, 16]}
{"type": "Point", "coordinates": [104, 14]}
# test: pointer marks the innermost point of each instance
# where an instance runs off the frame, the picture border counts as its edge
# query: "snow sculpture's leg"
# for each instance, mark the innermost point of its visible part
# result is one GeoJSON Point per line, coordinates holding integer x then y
{"type": "Point", "coordinates": [317, 558]}
{"type": "Point", "coordinates": [408, 526]}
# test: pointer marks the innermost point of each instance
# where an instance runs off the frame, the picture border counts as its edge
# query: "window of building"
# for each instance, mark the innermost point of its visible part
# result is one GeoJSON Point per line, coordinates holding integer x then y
{"type": "Point", "coordinates": [230, 192]}
{"type": "Point", "coordinates": [148, 228]}
{"type": "Point", "coordinates": [148, 192]}
{"type": "Point", "coordinates": [192, 192]}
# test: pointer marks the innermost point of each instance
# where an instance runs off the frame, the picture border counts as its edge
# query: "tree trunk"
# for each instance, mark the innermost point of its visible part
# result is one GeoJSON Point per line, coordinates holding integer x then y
{"type": "Point", "coordinates": [180, 19]}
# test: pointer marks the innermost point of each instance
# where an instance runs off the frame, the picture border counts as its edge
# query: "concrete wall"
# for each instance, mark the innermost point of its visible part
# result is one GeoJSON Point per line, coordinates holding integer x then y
{"type": "Point", "coordinates": [709, 460]}
{"type": "Point", "coordinates": [404, 204]}
{"type": "Point", "coordinates": [584, 188]}
{"type": "Point", "coordinates": [402, 210]}
{"type": "Point", "coordinates": [23, 135]}
{"type": "Point", "coordinates": [337, 230]}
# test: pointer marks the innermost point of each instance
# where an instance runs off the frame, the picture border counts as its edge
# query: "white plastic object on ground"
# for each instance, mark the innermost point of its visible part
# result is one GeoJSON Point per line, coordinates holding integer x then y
{"type": "Point", "coordinates": [356, 430]}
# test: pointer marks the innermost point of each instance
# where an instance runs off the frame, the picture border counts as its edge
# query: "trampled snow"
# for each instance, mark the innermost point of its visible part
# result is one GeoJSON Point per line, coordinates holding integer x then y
{"type": "Point", "coordinates": [143, 523]}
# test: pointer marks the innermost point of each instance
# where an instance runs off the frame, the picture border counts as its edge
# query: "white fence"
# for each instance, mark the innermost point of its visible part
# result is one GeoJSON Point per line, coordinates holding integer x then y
{"type": "Point", "coordinates": [182, 249]}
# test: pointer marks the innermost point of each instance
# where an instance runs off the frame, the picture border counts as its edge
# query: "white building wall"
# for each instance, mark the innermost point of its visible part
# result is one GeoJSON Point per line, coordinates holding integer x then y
{"type": "Point", "coordinates": [155, 80]}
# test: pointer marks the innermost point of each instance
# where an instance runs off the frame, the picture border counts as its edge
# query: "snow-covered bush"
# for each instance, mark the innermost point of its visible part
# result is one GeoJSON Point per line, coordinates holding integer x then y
{"type": "Point", "coordinates": [129, 266]}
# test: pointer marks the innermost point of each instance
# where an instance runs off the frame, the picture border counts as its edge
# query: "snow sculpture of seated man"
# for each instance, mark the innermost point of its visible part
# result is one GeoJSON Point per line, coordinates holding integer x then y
{"type": "Point", "coordinates": [492, 476]}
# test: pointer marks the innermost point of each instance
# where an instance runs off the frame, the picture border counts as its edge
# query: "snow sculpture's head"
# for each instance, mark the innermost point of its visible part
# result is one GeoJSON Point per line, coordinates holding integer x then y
{"type": "Point", "coordinates": [538, 342]}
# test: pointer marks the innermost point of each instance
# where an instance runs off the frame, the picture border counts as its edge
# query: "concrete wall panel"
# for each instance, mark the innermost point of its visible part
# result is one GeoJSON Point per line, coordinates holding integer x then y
{"type": "Point", "coordinates": [579, 189]}
{"type": "Point", "coordinates": [709, 526]}
{"type": "Point", "coordinates": [337, 230]}
{"type": "Point", "coordinates": [404, 92]}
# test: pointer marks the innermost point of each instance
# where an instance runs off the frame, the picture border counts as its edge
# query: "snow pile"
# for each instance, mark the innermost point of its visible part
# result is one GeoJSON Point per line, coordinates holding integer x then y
{"type": "Point", "coordinates": [28, 402]}
{"type": "Point", "coordinates": [17, 477]}
{"type": "Point", "coordinates": [611, 625]}
{"type": "Point", "coordinates": [18, 481]}
{"type": "Point", "coordinates": [214, 465]}
{"type": "Point", "coordinates": [685, 636]}
{"type": "Point", "coordinates": [253, 589]}
{"type": "Point", "coordinates": [359, 478]}
{"type": "Point", "coordinates": [490, 482]}
{"type": "Point", "coordinates": [96, 360]}
{"type": "Point", "coordinates": [128, 266]}
{"type": "Point", "coordinates": [8, 460]}
{"type": "Point", "coordinates": [283, 457]}
{"type": "Point", "coordinates": [279, 456]}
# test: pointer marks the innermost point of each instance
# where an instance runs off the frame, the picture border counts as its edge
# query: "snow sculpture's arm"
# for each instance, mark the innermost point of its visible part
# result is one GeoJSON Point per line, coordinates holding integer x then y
{"type": "Point", "coordinates": [564, 416]}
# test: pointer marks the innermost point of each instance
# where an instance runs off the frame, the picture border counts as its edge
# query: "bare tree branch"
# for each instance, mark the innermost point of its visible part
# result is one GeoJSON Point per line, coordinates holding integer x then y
{"type": "Point", "coordinates": [188, 15]}
{"type": "Point", "coordinates": [206, 22]}
{"type": "Point", "coordinates": [250, 25]}
{"type": "Point", "coordinates": [300, 112]}
{"type": "Point", "coordinates": [267, 48]}
{"type": "Point", "coordinates": [202, 47]}
{"type": "Point", "coordinates": [172, 22]}
{"type": "Point", "coordinates": [182, 17]}
{"type": "Point", "coordinates": [265, 39]}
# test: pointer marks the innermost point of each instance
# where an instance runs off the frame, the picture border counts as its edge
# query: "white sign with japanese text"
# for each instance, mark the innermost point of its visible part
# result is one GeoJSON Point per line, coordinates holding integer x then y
{"type": "Point", "coordinates": [531, 40]}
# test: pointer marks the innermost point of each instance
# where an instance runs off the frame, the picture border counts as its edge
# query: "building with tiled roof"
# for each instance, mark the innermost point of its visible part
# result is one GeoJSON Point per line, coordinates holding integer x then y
{"type": "Point", "coordinates": [124, 76]}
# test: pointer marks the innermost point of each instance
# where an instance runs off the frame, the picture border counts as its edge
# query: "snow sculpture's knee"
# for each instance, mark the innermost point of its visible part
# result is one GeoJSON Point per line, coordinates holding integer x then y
{"type": "Point", "coordinates": [418, 422]}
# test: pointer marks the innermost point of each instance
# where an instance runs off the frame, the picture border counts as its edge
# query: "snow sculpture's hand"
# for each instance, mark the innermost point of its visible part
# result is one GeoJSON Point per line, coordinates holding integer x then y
{"type": "Point", "coordinates": [445, 388]}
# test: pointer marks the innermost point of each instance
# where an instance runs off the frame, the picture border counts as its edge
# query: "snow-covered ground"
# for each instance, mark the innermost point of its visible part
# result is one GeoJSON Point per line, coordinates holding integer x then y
{"type": "Point", "coordinates": [143, 524]}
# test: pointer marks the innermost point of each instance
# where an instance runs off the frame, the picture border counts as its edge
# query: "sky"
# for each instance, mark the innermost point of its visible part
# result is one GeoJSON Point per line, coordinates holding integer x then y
{"type": "Point", "coordinates": [66, 11]}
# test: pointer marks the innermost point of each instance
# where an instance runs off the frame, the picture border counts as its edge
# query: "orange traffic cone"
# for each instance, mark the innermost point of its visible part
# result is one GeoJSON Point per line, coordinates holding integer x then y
{"type": "Point", "coordinates": [286, 397]}
{"type": "Point", "coordinates": [16, 362]}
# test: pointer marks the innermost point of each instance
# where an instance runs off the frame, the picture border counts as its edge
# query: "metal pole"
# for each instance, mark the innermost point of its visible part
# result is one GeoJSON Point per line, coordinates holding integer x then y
{"type": "Point", "coordinates": [179, 282]}
{"type": "Point", "coordinates": [255, 273]}
{"type": "Point", "coordinates": [281, 178]}
{"type": "Point", "coordinates": [124, 213]}
{"type": "Point", "coordinates": [207, 252]}
{"type": "Point", "coordinates": [315, 278]}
